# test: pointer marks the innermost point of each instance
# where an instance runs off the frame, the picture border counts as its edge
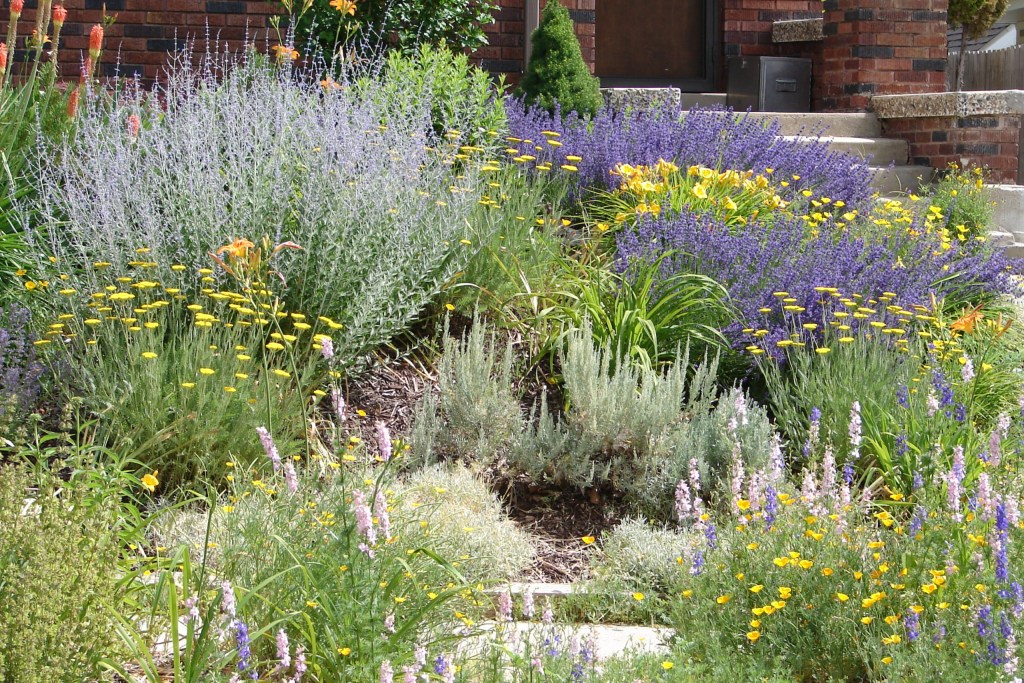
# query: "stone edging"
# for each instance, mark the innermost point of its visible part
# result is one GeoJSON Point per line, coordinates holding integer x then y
{"type": "Point", "coordinates": [798, 30]}
{"type": "Point", "coordinates": [950, 104]}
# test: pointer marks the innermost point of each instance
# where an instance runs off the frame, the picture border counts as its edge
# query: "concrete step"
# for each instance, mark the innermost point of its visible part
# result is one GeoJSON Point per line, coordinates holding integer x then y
{"type": "Point", "coordinates": [1008, 212]}
{"type": "Point", "coordinates": [900, 178]}
{"type": "Point", "coordinates": [853, 125]}
{"type": "Point", "coordinates": [880, 151]}
{"type": "Point", "coordinates": [689, 100]}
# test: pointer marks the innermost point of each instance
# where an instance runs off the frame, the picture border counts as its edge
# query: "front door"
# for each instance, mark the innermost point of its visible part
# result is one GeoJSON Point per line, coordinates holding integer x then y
{"type": "Point", "coordinates": [656, 43]}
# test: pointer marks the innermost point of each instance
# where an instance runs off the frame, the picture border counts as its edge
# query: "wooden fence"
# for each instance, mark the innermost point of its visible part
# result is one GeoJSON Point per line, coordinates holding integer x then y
{"type": "Point", "coordinates": [994, 70]}
{"type": "Point", "coordinates": [991, 70]}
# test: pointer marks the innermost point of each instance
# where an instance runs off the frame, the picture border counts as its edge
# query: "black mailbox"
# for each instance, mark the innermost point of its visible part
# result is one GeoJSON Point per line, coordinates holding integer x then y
{"type": "Point", "coordinates": [777, 84]}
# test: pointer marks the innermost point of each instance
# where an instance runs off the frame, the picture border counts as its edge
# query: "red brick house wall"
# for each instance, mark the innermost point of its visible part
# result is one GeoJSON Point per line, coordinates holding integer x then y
{"type": "Point", "coordinates": [147, 30]}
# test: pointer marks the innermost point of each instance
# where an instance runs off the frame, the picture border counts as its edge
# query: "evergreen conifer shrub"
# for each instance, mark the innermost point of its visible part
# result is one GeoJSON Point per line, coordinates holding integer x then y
{"type": "Point", "coordinates": [556, 73]}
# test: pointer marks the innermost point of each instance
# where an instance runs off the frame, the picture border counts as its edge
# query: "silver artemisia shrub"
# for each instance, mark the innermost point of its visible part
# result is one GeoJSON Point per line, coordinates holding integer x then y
{"type": "Point", "coordinates": [240, 148]}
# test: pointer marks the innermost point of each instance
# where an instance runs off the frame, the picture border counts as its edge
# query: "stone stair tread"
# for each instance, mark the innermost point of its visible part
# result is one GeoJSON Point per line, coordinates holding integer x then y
{"type": "Point", "coordinates": [881, 151]}
{"type": "Point", "coordinates": [886, 180]}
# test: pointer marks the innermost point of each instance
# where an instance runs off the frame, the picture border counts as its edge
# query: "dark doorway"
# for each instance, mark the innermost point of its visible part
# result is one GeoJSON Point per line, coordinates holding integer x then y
{"type": "Point", "coordinates": [657, 43]}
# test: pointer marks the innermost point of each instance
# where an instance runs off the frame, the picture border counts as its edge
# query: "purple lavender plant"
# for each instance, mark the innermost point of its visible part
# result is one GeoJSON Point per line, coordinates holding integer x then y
{"type": "Point", "coordinates": [717, 138]}
{"type": "Point", "coordinates": [756, 260]}
{"type": "Point", "coordinates": [20, 370]}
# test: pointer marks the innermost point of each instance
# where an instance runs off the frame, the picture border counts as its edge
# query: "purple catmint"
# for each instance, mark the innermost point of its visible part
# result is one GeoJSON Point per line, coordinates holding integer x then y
{"type": "Point", "coordinates": [960, 412]}
{"type": "Point", "coordinates": [967, 370]}
{"type": "Point", "coordinates": [387, 674]}
{"type": "Point", "coordinates": [697, 567]}
{"type": "Point", "coordinates": [505, 605]}
{"type": "Point", "coordinates": [364, 517]}
{"type": "Point", "coordinates": [711, 536]}
{"type": "Point", "coordinates": [380, 511]}
{"type": "Point", "coordinates": [1002, 538]}
{"type": "Point", "coordinates": [284, 659]}
{"type": "Point", "coordinates": [945, 390]}
{"type": "Point", "coordinates": [191, 609]}
{"type": "Point", "coordinates": [912, 622]}
{"type": "Point", "coordinates": [855, 430]}
{"type": "Point", "coordinates": [291, 480]}
{"type": "Point", "coordinates": [917, 482]}
{"type": "Point", "coordinates": [243, 651]}
{"type": "Point", "coordinates": [269, 448]}
{"type": "Point", "coordinates": [903, 396]}
{"type": "Point", "coordinates": [408, 674]}
{"type": "Point", "coordinates": [383, 441]}
{"type": "Point", "coordinates": [528, 605]}
{"type": "Point", "coordinates": [848, 473]}
{"type": "Point", "coordinates": [771, 506]}
{"type": "Point", "coordinates": [959, 467]}
{"type": "Point", "coordinates": [984, 621]}
{"type": "Point", "coordinates": [419, 655]}
{"type": "Point", "coordinates": [389, 623]}
{"type": "Point", "coordinates": [742, 411]}
{"type": "Point", "coordinates": [227, 600]}
{"type": "Point", "coordinates": [940, 634]}
{"type": "Point", "coordinates": [918, 520]}
{"type": "Point", "coordinates": [754, 484]}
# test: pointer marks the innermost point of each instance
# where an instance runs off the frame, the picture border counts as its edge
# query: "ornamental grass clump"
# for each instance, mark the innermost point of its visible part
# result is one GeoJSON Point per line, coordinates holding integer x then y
{"type": "Point", "coordinates": [386, 214]}
{"type": "Point", "coordinates": [181, 369]}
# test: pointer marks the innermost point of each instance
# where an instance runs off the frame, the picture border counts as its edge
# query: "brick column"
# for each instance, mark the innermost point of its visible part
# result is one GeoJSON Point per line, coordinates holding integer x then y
{"type": "Point", "coordinates": [892, 47]}
{"type": "Point", "coordinates": [748, 23]}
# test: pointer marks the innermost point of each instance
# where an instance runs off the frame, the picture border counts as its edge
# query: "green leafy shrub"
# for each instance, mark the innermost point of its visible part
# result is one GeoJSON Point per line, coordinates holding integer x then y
{"type": "Point", "coordinates": [556, 75]}
{"type": "Point", "coordinates": [459, 96]}
{"type": "Point", "coordinates": [330, 26]}
{"type": "Point", "coordinates": [58, 558]}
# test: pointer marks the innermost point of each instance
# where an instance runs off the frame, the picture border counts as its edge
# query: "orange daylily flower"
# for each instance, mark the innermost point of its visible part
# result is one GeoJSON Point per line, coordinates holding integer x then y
{"type": "Point", "coordinates": [344, 6]}
{"type": "Point", "coordinates": [967, 322]}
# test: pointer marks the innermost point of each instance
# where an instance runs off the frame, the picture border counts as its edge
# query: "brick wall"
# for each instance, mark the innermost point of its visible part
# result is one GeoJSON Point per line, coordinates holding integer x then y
{"type": "Point", "coordinates": [890, 47]}
{"type": "Point", "coordinates": [146, 30]}
{"type": "Point", "coordinates": [748, 24]}
{"type": "Point", "coordinates": [991, 141]}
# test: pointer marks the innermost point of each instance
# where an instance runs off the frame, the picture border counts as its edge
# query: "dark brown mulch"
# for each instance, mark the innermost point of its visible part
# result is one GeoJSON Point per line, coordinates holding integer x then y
{"type": "Point", "coordinates": [557, 520]}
